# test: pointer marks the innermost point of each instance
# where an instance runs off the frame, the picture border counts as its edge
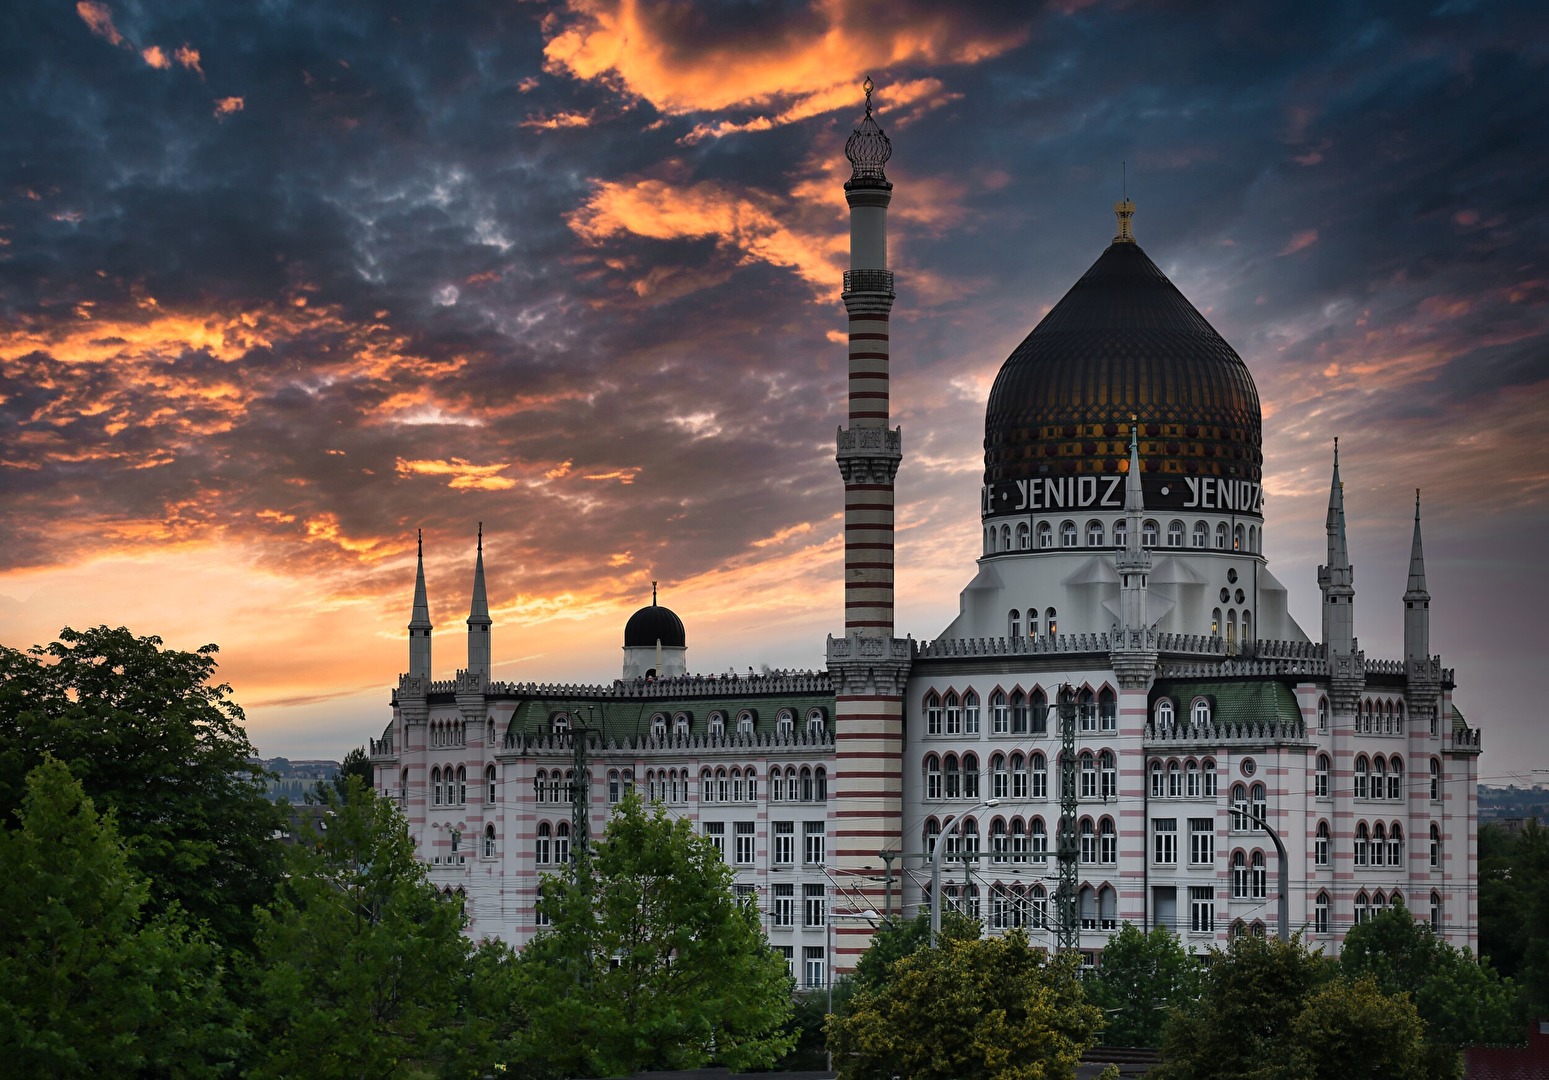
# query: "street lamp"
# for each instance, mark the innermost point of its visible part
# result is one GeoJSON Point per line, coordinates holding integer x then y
{"type": "Point", "coordinates": [1284, 873]}
{"type": "Point", "coordinates": [831, 915]}
{"type": "Point", "coordinates": [953, 822]}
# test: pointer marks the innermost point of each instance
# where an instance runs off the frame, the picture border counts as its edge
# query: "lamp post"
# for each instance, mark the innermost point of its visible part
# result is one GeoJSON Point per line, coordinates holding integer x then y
{"type": "Point", "coordinates": [953, 822]}
{"type": "Point", "coordinates": [829, 917]}
{"type": "Point", "coordinates": [1284, 874]}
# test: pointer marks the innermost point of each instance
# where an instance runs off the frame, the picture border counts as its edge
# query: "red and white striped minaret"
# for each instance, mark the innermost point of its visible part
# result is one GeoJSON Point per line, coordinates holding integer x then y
{"type": "Point", "coordinates": [869, 666]}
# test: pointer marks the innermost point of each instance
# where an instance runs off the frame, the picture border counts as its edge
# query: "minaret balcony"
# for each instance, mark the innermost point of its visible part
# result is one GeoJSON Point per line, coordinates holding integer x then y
{"type": "Point", "coordinates": [869, 281]}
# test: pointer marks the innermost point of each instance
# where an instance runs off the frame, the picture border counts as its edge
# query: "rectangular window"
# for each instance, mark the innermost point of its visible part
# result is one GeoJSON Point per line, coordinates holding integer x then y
{"type": "Point", "coordinates": [1320, 850]}
{"type": "Point", "coordinates": [1000, 721]}
{"type": "Point", "coordinates": [998, 783]}
{"type": "Point", "coordinates": [784, 913]}
{"type": "Point", "coordinates": [1202, 841]}
{"type": "Point", "coordinates": [1040, 783]}
{"type": "Point", "coordinates": [784, 843]}
{"type": "Point", "coordinates": [1202, 909]}
{"type": "Point", "coordinates": [1164, 841]}
{"type": "Point", "coordinates": [1320, 784]}
{"type": "Point", "coordinates": [813, 964]}
{"type": "Point", "coordinates": [716, 831]}
{"type": "Point", "coordinates": [1019, 781]}
{"type": "Point", "coordinates": [746, 893]}
{"type": "Point", "coordinates": [745, 838]}
{"type": "Point", "coordinates": [789, 953]}
{"type": "Point", "coordinates": [812, 843]}
{"type": "Point", "coordinates": [812, 905]}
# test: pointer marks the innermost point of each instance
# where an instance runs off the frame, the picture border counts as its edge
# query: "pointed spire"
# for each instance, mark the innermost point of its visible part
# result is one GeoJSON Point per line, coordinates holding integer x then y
{"type": "Point", "coordinates": [420, 618]}
{"type": "Point", "coordinates": [1416, 560]}
{"type": "Point", "coordinates": [479, 610]}
{"type": "Point", "coordinates": [1338, 550]}
{"type": "Point", "coordinates": [1134, 496]}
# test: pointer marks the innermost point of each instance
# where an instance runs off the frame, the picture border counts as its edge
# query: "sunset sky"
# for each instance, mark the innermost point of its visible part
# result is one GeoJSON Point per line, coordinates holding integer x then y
{"type": "Point", "coordinates": [281, 283]}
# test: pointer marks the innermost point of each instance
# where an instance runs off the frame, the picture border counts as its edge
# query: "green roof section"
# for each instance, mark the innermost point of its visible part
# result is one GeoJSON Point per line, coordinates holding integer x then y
{"type": "Point", "coordinates": [1232, 701]}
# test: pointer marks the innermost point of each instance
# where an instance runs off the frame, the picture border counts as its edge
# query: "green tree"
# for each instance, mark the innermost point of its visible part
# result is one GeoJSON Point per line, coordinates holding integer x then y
{"type": "Point", "coordinates": [895, 940]}
{"type": "Point", "coordinates": [1462, 1001]}
{"type": "Point", "coordinates": [356, 764]}
{"type": "Point", "coordinates": [1350, 1030]}
{"type": "Point", "coordinates": [91, 982]}
{"type": "Point", "coordinates": [151, 737]}
{"type": "Point", "coordinates": [971, 1009]}
{"type": "Point", "coordinates": [1140, 976]}
{"type": "Point", "coordinates": [1502, 898]}
{"type": "Point", "coordinates": [1239, 1028]}
{"type": "Point", "coordinates": [362, 967]}
{"type": "Point", "coordinates": [651, 961]}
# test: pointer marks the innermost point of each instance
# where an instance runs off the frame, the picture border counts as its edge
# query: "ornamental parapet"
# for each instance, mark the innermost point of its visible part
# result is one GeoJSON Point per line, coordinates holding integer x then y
{"type": "Point", "coordinates": [1216, 733]}
{"type": "Point", "coordinates": [869, 281]}
{"type": "Point", "coordinates": [676, 687]}
{"type": "Point", "coordinates": [562, 743]}
{"type": "Point", "coordinates": [382, 748]}
{"type": "Point", "coordinates": [858, 647]}
{"type": "Point", "coordinates": [1464, 742]}
{"type": "Point", "coordinates": [885, 439]}
{"type": "Point", "coordinates": [1289, 650]}
{"type": "Point", "coordinates": [1008, 646]}
{"type": "Point", "coordinates": [1240, 668]}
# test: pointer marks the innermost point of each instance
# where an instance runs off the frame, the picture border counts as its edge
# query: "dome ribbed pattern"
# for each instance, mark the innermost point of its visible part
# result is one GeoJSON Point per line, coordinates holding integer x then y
{"type": "Point", "coordinates": [1123, 342]}
{"type": "Point", "coordinates": [652, 624]}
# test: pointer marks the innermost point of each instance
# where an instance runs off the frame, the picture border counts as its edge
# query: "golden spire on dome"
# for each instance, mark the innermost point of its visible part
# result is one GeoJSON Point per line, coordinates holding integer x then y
{"type": "Point", "coordinates": [1125, 209]}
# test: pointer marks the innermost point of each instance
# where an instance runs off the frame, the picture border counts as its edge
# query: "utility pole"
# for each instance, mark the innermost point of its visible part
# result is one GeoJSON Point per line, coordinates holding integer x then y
{"type": "Point", "coordinates": [1068, 933]}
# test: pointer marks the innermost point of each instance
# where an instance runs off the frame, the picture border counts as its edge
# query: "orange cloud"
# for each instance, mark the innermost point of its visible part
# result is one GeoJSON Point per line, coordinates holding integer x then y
{"type": "Point", "coordinates": [1300, 242]}
{"type": "Point", "coordinates": [927, 93]}
{"type": "Point", "coordinates": [807, 72]}
{"type": "Point", "coordinates": [227, 105]}
{"type": "Point", "coordinates": [99, 17]}
{"type": "Point", "coordinates": [556, 121]}
{"type": "Point", "coordinates": [464, 475]}
{"type": "Point", "coordinates": [153, 56]}
{"type": "Point", "coordinates": [749, 222]}
{"type": "Point", "coordinates": [188, 57]}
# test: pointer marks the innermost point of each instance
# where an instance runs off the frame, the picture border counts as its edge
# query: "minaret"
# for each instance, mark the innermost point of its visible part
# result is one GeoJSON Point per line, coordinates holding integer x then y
{"type": "Point", "coordinates": [1336, 578]}
{"type": "Point", "coordinates": [419, 621]}
{"type": "Point", "coordinates": [478, 617]}
{"type": "Point", "coordinates": [868, 665]}
{"type": "Point", "coordinates": [1133, 649]}
{"type": "Point", "coordinates": [1417, 605]}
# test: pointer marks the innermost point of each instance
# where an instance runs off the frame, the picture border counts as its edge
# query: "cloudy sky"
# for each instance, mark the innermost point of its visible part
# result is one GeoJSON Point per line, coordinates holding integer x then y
{"type": "Point", "coordinates": [281, 283]}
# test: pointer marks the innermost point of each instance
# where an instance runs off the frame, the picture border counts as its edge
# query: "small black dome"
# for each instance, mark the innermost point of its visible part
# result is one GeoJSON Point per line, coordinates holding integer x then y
{"type": "Point", "coordinates": [652, 624]}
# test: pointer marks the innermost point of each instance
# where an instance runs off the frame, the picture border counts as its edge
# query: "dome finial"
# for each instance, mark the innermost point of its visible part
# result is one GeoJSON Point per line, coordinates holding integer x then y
{"type": "Point", "coordinates": [653, 594]}
{"type": "Point", "coordinates": [868, 148]}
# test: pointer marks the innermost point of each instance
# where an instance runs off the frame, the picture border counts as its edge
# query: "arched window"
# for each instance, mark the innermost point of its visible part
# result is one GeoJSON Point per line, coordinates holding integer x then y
{"type": "Point", "coordinates": [1087, 901]}
{"type": "Point", "coordinates": [1174, 780]}
{"type": "Point", "coordinates": [1260, 876]}
{"type": "Point", "coordinates": [1191, 779]}
{"type": "Point", "coordinates": [1396, 845]}
{"type": "Point", "coordinates": [1379, 779]}
{"type": "Point", "coordinates": [435, 786]}
{"type": "Point", "coordinates": [1239, 808]}
{"type": "Point", "coordinates": [543, 849]}
{"type": "Point", "coordinates": [614, 788]}
{"type": "Point", "coordinates": [954, 778]}
{"type": "Point", "coordinates": [1387, 718]}
{"type": "Point", "coordinates": [1361, 906]}
{"type": "Point", "coordinates": [1107, 711]}
{"type": "Point", "coordinates": [1201, 710]}
{"type": "Point", "coordinates": [1358, 779]}
{"type": "Point", "coordinates": [1436, 911]}
{"type": "Point", "coordinates": [1088, 766]}
{"type": "Point", "coordinates": [744, 722]}
{"type": "Point", "coordinates": [1023, 536]}
{"type": "Point", "coordinates": [1435, 780]}
{"type": "Point", "coordinates": [1201, 534]}
{"type": "Point", "coordinates": [1018, 713]}
{"type": "Point", "coordinates": [1108, 908]}
{"type": "Point", "coordinates": [1032, 622]}
{"type": "Point", "coordinates": [1014, 624]}
{"type": "Point", "coordinates": [999, 783]}
{"type": "Point", "coordinates": [1149, 532]}
{"type": "Point", "coordinates": [1040, 770]}
{"type": "Point", "coordinates": [1215, 622]}
{"type": "Point", "coordinates": [659, 726]}
{"type": "Point", "coordinates": [1237, 538]}
{"type": "Point", "coordinates": [1018, 840]}
{"type": "Point", "coordinates": [1110, 769]}
{"type": "Point", "coordinates": [932, 714]}
{"type": "Point", "coordinates": [1067, 534]}
{"type": "Point", "coordinates": [489, 841]}
{"type": "Point", "coordinates": [1040, 840]}
{"type": "Point", "coordinates": [998, 840]}
{"type": "Point", "coordinates": [785, 723]}
{"type": "Point", "coordinates": [562, 842]}
{"type": "Point", "coordinates": [680, 724]}
{"type": "Point", "coordinates": [931, 833]}
{"type": "Point", "coordinates": [1045, 535]}
{"type": "Point", "coordinates": [1018, 776]}
{"type": "Point", "coordinates": [954, 710]}
{"type": "Point", "coordinates": [1175, 533]}
{"type": "Point", "coordinates": [1158, 790]}
{"type": "Point", "coordinates": [808, 792]}
{"type": "Point", "coordinates": [1038, 706]}
{"type": "Point", "coordinates": [1209, 777]}
{"type": "Point", "coordinates": [1320, 845]}
{"type": "Point", "coordinates": [1396, 778]}
{"type": "Point", "coordinates": [970, 837]}
{"type": "Point", "coordinates": [722, 785]}
{"type": "Point", "coordinates": [1247, 626]}
{"type": "Point", "coordinates": [1231, 626]}
{"type": "Point", "coordinates": [717, 725]}
{"type": "Point", "coordinates": [970, 776]}
{"type": "Point", "coordinates": [706, 786]}
{"type": "Point", "coordinates": [1038, 902]}
{"type": "Point", "coordinates": [1320, 778]}
{"type": "Point", "coordinates": [776, 785]}
{"type": "Point", "coordinates": [1362, 843]}
{"type": "Point", "coordinates": [1239, 876]}
{"type": "Point", "coordinates": [1323, 714]}
{"type": "Point", "coordinates": [1435, 845]}
{"type": "Point", "coordinates": [1320, 914]}
{"type": "Point", "coordinates": [489, 784]}
{"type": "Point", "coordinates": [403, 785]}
{"type": "Point", "coordinates": [1094, 534]}
{"type": "Point", "coordinates": [1005, 538]}
{"type": "Point", "coordinates": [1088, 841]}
{"type": "Point", "coordinates": [932, 776]}
{"type": "Point", "coordinates": [1221, 536]}
{"type": "Point", "coordinates": [1000, 716]}
{"type": "Point", "coordinates": [971, 713]}
{"type": "Point", "coordinates": [1398, 717]}
{"type": "Point", "coordinates": [1260, 805]}
{"type": "Point", "coordinates": [820, 784]}
{"type": "Point", "coordinates": [736, 785]}
{"type": "Point", "coordinates": [815, 724]}
{"type": "Point", "coordinates": [1120, 533]}
{"type": "Point", "coordinates": [1108, 841]}
{"type": "Point", "coordinates": [1051, 621]}
{"type": "Point", "coordinates": [1164, 716]}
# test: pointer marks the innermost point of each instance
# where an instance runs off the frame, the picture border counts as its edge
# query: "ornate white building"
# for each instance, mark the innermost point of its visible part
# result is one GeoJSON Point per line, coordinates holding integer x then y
{"type": "Point", "coordinates": [1122, 572]}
